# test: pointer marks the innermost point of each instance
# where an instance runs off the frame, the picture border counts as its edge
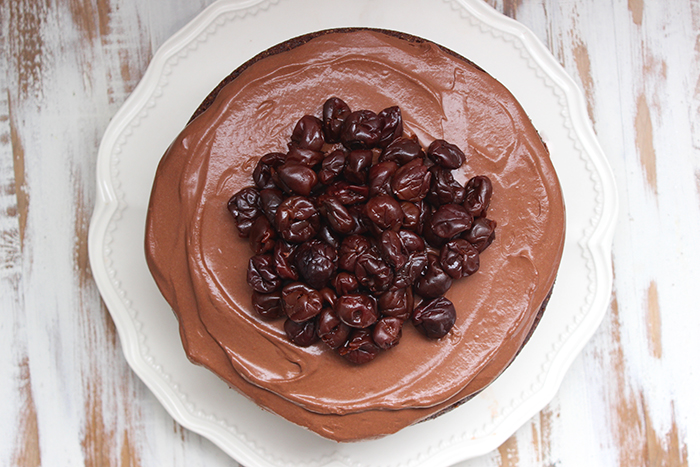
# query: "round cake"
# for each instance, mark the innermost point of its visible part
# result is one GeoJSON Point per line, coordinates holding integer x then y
{"type": "Point", "coordinates": [199, 261]}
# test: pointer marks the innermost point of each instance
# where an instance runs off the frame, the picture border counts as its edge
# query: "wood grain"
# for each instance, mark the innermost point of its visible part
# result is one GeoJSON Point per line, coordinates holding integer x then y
{"type": "Point", "coordinates": [645, 141]}
{"type": "Point", "coordinates": [654, 321]}
{"type": "Point", "coordinates": [67, 396]}
{"type": "Point", "coordinates": [23, 431]}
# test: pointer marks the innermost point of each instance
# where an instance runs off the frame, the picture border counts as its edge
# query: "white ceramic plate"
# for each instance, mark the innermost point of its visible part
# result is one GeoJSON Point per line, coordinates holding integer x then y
{"type": "Point", "coordinates": [182, 73]}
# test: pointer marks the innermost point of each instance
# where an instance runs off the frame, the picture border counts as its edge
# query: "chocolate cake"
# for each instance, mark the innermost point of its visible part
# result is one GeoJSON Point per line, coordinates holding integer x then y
{"type": "Point", "coordinates": [199, 261]}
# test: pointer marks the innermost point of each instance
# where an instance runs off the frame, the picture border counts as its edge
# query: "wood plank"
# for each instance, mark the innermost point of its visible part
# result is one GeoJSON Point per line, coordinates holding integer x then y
{"type": "Point", "coordinates": [17, 406]}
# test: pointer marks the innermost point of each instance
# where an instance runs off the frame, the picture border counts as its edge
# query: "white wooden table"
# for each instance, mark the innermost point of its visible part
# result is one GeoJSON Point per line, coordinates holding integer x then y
{"type": "Point", "coordinates": [67, 396]}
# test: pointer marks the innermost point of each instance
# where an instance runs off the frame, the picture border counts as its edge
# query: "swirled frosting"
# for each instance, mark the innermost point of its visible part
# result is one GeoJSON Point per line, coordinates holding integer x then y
{"type": "Point", "coordinates": [199, 262]}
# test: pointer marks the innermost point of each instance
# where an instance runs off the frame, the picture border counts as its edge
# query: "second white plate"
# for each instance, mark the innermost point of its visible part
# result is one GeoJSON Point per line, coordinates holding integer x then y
{"type": "Point", "coordinates": [182, 73]}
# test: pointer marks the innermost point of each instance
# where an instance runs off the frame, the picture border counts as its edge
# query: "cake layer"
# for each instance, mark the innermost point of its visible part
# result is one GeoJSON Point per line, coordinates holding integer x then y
{"type": "Point", "coordinates": [199, 262]}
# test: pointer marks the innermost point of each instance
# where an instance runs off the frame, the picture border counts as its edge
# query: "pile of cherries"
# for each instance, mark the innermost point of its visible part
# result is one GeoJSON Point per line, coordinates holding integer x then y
{"type": "Point", "coordinates": [358, 229]}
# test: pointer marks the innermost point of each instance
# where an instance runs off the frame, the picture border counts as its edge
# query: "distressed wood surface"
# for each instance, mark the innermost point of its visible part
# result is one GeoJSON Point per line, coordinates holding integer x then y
{"type": "Point", "coordinates": [67, 396]}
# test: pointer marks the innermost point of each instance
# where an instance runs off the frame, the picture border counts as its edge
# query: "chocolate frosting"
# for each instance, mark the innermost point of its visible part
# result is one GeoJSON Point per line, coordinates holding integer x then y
{"type": "Point", "coordinates": [199, 262]}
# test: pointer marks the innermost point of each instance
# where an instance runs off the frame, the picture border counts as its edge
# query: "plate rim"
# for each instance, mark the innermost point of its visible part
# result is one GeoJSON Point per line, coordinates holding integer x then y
{"type": "Point", "coordinates": [108, 204]}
